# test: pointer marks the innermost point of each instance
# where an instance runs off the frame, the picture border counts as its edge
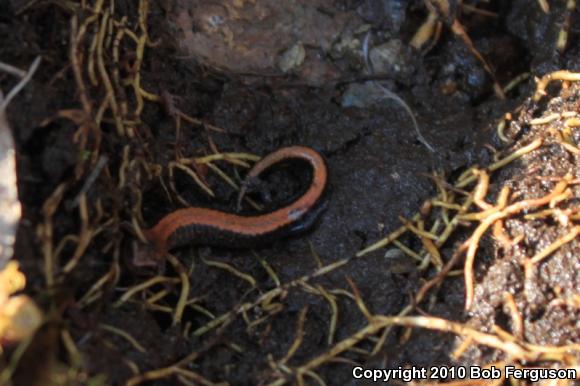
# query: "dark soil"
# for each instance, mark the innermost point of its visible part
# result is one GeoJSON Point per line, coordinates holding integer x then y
{"type": "Point", "coordinates": [378, 170]}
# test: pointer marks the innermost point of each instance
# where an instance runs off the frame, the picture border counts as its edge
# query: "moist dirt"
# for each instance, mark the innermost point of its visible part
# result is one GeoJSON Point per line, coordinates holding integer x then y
{"type": "Point", "coordinates": [231, 77]}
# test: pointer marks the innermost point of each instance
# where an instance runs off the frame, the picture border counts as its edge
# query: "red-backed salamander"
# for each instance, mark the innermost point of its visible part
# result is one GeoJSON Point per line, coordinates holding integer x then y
{"type": "Point", "coordinates": [216, 228]}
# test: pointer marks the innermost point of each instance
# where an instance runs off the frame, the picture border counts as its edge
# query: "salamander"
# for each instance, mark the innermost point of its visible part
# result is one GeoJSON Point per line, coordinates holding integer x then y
{"type": "Point", "coordinates": [203, 226]}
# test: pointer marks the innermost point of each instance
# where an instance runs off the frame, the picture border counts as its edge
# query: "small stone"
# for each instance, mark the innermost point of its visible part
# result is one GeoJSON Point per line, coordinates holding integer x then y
{"type": "Point", "coordinates": [292, 58]}
{"type": "Point", "coordinates": [388, 57]}
{"type": "Point", "coordinates": [363, 95]}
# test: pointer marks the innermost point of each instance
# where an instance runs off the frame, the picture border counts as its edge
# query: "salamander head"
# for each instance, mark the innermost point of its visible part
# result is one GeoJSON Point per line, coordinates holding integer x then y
{"type": "Point", "coordinates": [309, 217]}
